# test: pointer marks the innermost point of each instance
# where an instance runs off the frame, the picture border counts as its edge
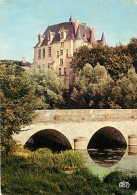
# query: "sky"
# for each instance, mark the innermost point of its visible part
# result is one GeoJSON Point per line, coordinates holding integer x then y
{"type": "Point", "coordinates": [22, 20]}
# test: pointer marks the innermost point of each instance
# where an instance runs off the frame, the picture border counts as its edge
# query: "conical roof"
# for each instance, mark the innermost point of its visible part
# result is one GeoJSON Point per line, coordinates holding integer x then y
{"type": "Point", "coordinates": [78, 34]}
{"type": "Point", "coordinates": [103, 40]}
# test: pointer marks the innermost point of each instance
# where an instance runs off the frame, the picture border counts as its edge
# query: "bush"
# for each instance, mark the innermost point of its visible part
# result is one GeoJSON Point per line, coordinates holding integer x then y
{"type": "Point", "coordinates": [68, 160]}
{"type": "Point", "coordinates": [116, 177]}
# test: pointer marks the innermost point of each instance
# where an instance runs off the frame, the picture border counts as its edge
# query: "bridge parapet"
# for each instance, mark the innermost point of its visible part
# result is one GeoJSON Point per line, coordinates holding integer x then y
{"type": "Point", "coordinates": [78, 115]}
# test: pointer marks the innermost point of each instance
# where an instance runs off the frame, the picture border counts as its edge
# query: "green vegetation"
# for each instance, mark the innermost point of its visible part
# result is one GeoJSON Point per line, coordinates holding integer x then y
{"type": "Point", "coordinates": [132, 49]}
{"type": "Point", "coordinates": [18, 102]}
{"type": "Point", "coordinates": [124, 93]}
{"type": "Point", "coordinates": [21, 93]}
{"type": "Point", "coordinates": [42, 173]}
{"type": "Point", "coordinates": [116, 177]}
{"type": "Point", "coordinates": [92, 88]}
{"type": "Point", "coordinates": [117, 60]}
{"type": "Point", "coordinates": [105, 77]}
{"type": "Point", "coordinates": [48, 87]}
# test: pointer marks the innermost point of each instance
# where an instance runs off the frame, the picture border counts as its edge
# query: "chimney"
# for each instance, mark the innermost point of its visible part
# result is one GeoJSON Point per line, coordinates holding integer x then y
{"type": "Point", "coordinates": [93, 35]}
{"type": "Point", "coordinates": [23, 60]}
{"type": "Point", "coordinates": [76, 24]}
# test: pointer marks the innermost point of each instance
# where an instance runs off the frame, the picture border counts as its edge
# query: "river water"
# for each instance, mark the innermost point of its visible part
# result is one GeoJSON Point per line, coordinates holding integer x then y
{"type": "Point", "coordinates": [102, 162]}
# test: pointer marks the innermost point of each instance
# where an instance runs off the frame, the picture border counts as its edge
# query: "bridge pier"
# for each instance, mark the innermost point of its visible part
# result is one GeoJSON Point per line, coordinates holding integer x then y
{"type": "Point", "coordinates": [132, 140]}
{"type": "Point", "coordinates": [80, 143]}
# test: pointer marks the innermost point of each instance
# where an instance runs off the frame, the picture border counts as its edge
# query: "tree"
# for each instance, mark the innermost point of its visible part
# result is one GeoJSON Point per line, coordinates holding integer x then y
{"type": "Point", "coordinates": [132, 48]}
{"type": "Point", "coordinates": [18, 102]}
{"type": "Point", "coordinates": [80, 57]}
{"type": "Point", "coordinates": [124, 94]}
{"type": "Point", "coordinates": [92, 88]}
{"type": "Point", "coordinates": [116, 60]}
{"type": "Point", "coordinates": [48, 87]}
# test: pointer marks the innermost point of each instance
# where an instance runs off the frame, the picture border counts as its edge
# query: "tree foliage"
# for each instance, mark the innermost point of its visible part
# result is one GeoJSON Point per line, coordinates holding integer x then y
{"type": "Point", "coordinates": [48, 87]}
{"type": "Point", "coordinates": [124, 94]}
{"type": "Point", "coordinates": [17, 102]}
{"type": "Point", "coordinates": [92, 88]}
{"type": "Point", "coordinates": [116, 60]}
{"type": "Point", "coordinates": [132, 49]}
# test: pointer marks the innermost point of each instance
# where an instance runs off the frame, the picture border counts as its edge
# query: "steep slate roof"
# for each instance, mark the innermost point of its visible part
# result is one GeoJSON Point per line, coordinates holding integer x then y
{"type": "Point", "coordinates": [56, 28]}
{"type": "Point", "coordinates": [84, 31]}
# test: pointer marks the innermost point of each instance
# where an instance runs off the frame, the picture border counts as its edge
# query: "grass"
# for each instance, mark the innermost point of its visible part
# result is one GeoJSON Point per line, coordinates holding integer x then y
{"type": "Point", "coordinates": [42, 172]}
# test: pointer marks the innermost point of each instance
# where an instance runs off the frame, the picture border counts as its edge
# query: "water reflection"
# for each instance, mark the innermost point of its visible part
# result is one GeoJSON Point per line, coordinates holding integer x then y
{"type": "Point", "coordinates": [103, 162]}
{"type": "Point", "coordinates": [106, 157]}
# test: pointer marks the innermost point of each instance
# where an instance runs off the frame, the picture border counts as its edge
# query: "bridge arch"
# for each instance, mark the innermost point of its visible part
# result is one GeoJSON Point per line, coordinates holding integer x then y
{"type": "Point", "coordinates": [107, 137]}
{"type": "Point", "coordinates": [50, 138]}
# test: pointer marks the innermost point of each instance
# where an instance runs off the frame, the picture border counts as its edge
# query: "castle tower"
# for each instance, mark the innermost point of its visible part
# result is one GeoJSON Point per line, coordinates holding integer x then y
{"type": "Point", "coordinates": [78, 34]}
{"type": "Point", "coordinates": [78, 39]}
{"type": "Point", "coordinates": [103, 40]}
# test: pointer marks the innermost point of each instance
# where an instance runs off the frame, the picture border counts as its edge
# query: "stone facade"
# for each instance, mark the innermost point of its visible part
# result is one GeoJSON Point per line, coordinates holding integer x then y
{"type": "Point", "coordinates": [58, 43]}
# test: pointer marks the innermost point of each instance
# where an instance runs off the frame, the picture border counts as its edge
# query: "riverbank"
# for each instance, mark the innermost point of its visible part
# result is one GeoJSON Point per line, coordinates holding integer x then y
{"type": "Point", "coordinates": [42, 172]}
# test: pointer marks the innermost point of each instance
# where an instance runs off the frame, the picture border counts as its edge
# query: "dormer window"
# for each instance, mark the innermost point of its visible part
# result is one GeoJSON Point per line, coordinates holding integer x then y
{"type": "Point", "coordinates": [62, 35]}
{"type": "Point", "coordinates": [51, 36]}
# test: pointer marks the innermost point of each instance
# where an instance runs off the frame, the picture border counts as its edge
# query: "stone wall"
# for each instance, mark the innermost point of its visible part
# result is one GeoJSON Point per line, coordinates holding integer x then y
{"type": "Point", "coordinates": [78, 115]}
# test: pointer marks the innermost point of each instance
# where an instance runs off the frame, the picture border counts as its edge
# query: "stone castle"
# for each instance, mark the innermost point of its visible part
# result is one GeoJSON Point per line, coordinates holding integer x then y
{"type": "Point", "coordinates": [58, 43]}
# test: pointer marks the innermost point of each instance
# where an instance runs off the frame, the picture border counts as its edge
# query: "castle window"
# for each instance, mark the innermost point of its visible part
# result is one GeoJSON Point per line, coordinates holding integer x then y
{"type": "Point", "coordinates": [66, 52]}
{"type": "Point", "coordinates": [61, 62]}
{"type": "Point", "coordinates": [57, 54]}
{"type": "Point", "coordinates": [44, 53]}
{"type": "Point", "coordinates": [59, 71]}
{"type": "Point", "coordinates": [61, 52]}
{"type": "Point", "coordinates": [39, 54]}
{"type": "Point", "coordinates": [62, 44]}
{"type": "Point", "coordinates": [49, 51]}
{"type": "Point", "coordinates": [48, 65]}
{"type": "Point", "coordinates": [64, 71]}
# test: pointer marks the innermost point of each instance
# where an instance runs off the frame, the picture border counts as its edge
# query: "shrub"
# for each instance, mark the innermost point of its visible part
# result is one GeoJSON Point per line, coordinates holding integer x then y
{"type": "Point", "coordinates": [116, 177]}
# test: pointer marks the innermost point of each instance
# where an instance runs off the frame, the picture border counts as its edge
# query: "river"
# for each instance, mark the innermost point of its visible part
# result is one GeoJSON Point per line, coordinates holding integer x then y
{"type": "Point", "coordinates": [102, 162]}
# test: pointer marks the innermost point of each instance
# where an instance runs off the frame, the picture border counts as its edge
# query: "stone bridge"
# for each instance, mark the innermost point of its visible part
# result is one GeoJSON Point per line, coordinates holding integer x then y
{"type": "Point", "coordinates": [80, 129]}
